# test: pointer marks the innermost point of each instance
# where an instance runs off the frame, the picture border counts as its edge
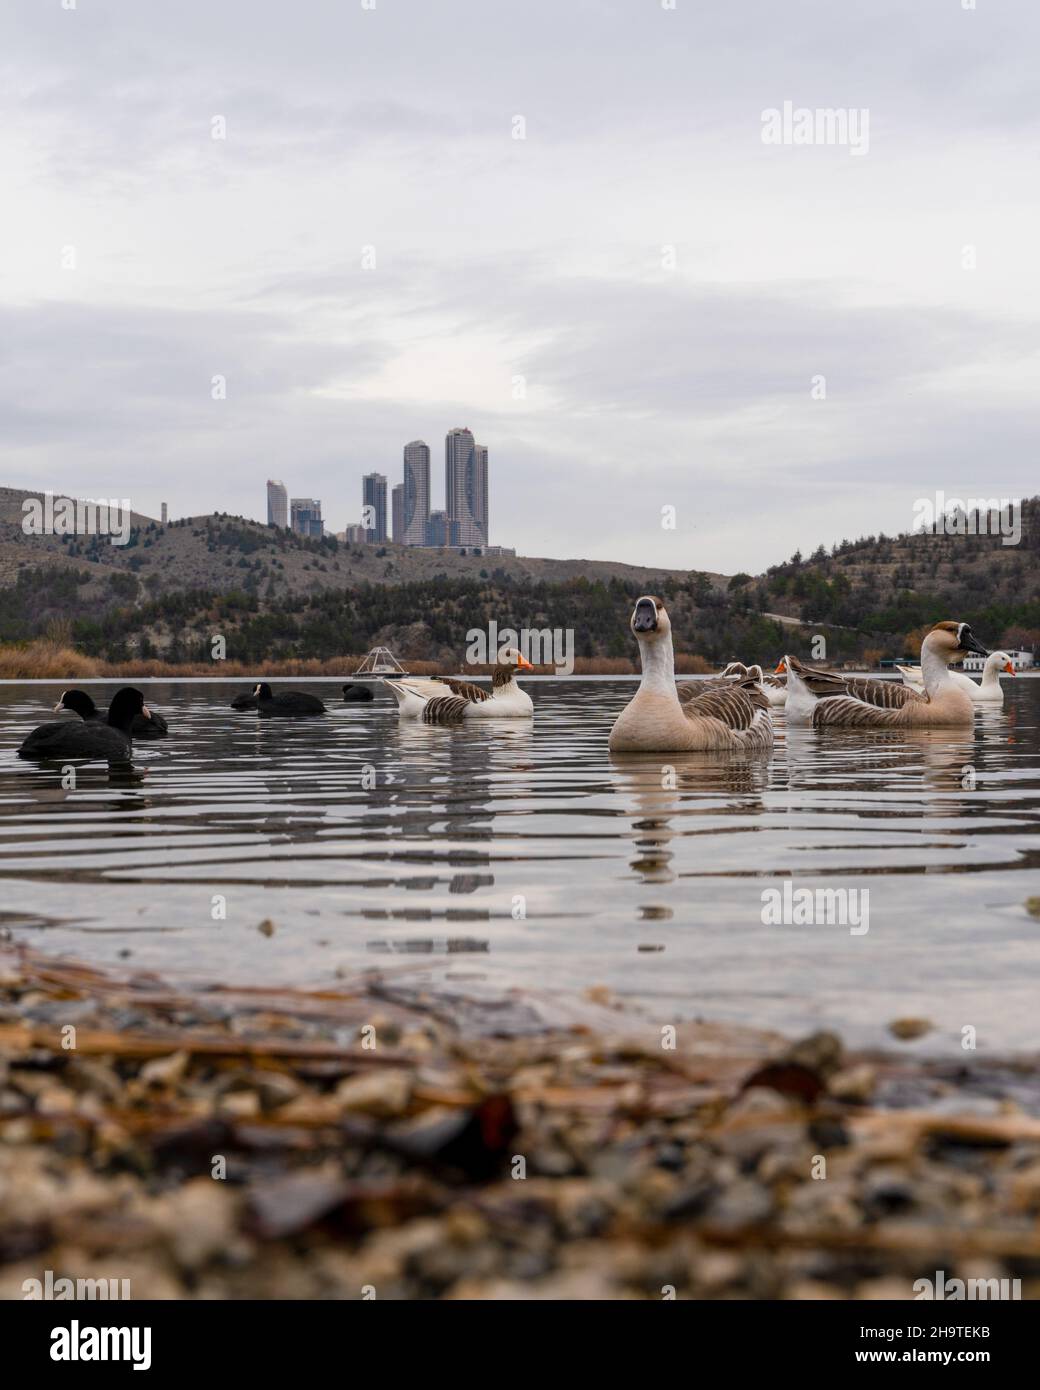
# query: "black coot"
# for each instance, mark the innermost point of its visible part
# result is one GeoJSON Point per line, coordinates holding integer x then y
{"type": "Point", "coordinates": [79, 702]}
{"type": "Point", "coordinates": [289, 702]}
{"type": "Point", "coordinates": [64, 738]}
{"type": "Point", "coordinates": [244, 701]}
{"type": "Point", "coordinates": [357, 692]}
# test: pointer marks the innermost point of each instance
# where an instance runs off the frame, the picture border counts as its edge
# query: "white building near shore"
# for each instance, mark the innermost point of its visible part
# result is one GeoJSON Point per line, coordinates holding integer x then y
{"type": "Point", "coordinates": [1020, 660]}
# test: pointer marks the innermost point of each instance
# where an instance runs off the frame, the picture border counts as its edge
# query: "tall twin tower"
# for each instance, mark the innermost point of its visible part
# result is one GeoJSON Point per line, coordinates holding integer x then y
{"type": "Point", "coordinates": [465, 517]}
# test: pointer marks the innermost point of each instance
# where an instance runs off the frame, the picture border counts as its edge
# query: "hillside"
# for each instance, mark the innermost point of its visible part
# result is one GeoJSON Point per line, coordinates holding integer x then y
{"type": "Point", "coordinates": [277, 596]}
{"type": "Point", "coordinates": [272, 593]}
{"type": "Point", "coordinates": [882, 588]}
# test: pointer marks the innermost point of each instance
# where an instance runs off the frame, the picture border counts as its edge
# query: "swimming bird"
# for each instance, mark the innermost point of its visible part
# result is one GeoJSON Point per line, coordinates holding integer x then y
{"type": "Point", "coordinates": [826, 698]}
{"type": "Point", "coordinates": [989, 692]}
{"type": "Point", "coordinates": [775, 686]}
{"type": "Point", "coordinates": [90, 739]}
{"type": "Point", "coordinates": [356, 691]}
{"type": "Point", "coordinates": [445, 700]}
{"type": "Point", "coordinates": [656, 720]}
{"type": "Point", "coordinates": [245, 701]}
{"type": "Point", "coordinates": [287, 703]}
{"type": "Point", "coordinates": [79, 702]}
{"type": "Point", "coordinates": [732, 673]}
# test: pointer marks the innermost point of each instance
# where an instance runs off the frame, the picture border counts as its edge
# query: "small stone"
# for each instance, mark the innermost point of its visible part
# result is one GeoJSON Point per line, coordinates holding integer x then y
{"type": "Point", "coordinates": [853, 1083]}
{"type": "Point", "coordinates": [743, 1203]}
{"type": "Point", "coordinates": [380, 1093]}
{"type": "Point", "coordinates": [907, 1028]}
{"type": "Point", "coordinates": [276, 1088]}
{"type": "Point", "coordinates": [240, 1104]}
{"type": "Point", "coordinates": [887, 1194]}
{"type": "Point", "coordinates": [266, 927]}
{"type": "Point", "coordinates": [198, 1220]}
{"type": "Point", "coordinates": [600, 994]}
{"type": "Point", "coordinates": [165, 1071]}
{"type": "Point", "coordinates": [828, 1133]}
{"type": "Point", "coordinates": [55, 1101]}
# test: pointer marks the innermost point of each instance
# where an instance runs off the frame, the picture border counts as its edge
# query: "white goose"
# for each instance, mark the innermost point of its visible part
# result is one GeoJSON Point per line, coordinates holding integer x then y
{"type": "Point", "coordinates": [825, 698]}
{"type": "Point", "coordinates": [990, 692]}
{"type": "Point", "coordinates": [775, 686]}
{"type": "Point", "coordinates": [655, 720]}
{"type": "Point", "coordinates": [445, 700]}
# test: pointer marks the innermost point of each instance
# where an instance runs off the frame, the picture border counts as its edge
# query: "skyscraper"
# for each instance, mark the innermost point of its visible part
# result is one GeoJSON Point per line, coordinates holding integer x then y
{"type": "Point", "coordinates": [305, 515]}
{"type": "Point", "coordinates": [480, 489]}
{"type": "Point", "coordinates": [437, 529]}
{"type": "Point", "coordinates": [465, 493]}
{"type": "Point", "coordinates": [397, 512]}
{"type": "Point", "coordinates": [277, 504]}
{"type": "Point", "coordinates": [373, 495]}
{"type": "Point", "coordinates": [416, 492]}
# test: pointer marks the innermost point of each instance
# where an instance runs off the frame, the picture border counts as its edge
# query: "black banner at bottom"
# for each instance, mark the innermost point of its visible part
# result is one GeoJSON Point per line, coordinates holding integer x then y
{"type": "Point", "coordinates": [272, 1338]}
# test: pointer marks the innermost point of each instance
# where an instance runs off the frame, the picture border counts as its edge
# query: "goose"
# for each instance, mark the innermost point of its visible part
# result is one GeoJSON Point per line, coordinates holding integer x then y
{"type": "Point", "coordinates": [69, 738]}
{"type": "Point", "coordinates": [735, 673]}
{"type": "Point", "coordinates": [655, 720]}
{"type": "Point", "coordinates": [775, 685]}
{"type": "Point", "coordinates": [445, 700]}
{"type": "Point", "coordinates": [857, 702]}
{"type": "Point", "coordinates": [730, 675]}
{"type": "Point", "coordinates": [287, 703]}
{"type": "Point", "coordinates": [152, 725]}
{"type": "Point", "coordinates": [989, 692]}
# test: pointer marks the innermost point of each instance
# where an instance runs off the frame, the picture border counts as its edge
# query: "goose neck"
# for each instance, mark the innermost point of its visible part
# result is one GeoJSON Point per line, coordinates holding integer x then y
{"type": "Point", "coordinates": [658, 662]}
{"type": "Point", "coordinates": [989, 674]}
{"type": "Point", "coordinates": [934, 671]}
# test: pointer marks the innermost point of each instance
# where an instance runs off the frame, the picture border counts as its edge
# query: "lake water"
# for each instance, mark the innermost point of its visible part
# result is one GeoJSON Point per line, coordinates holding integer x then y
{"type": "Point", "coordinates": [521, 854]}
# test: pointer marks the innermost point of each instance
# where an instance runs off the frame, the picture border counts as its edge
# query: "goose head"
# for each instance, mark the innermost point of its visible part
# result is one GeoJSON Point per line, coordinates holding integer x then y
{"type": "Point", "coordinates": [952, 642]}
{"type": "Point", "coordinates": [514, 660]}
{"type": "Point", "coordinates": [649, 621]}
{"type": "Point", "coordinates": [781, 667]}
{"type": "Point", "coordinates": [1000, 661]}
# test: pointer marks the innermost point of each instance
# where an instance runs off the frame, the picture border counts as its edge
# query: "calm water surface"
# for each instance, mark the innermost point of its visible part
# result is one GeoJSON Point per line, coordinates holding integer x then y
{"type": "Point", "coordinates": [523, 854]}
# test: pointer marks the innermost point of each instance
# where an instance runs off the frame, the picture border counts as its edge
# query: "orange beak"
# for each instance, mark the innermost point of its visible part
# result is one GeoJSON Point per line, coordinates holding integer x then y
{"type": "Point", "coordinates": [781, 667]}
{"type": "Point", "coordinates": [1009, 668]}
{"type": "Point", "coordinates": [523, 664]}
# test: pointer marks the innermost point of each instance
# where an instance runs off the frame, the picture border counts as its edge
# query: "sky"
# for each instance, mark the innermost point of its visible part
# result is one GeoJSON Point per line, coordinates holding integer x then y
{"type": "Point", "coordinates": [556, 222]}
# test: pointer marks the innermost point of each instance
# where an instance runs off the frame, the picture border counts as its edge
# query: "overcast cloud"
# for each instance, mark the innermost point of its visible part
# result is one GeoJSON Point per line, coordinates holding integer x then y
{"type": "Point", "coordinates": [666, 285]}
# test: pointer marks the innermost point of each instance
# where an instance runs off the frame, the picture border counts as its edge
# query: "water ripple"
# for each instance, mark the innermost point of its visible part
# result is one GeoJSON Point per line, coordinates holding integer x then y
{"type": "Point", "coordinates": [642, 874]}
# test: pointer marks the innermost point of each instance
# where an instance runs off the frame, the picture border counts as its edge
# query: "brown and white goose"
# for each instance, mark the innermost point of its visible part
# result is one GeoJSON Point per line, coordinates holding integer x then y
{"type": "Point", "coordinates": [656, 721]}
{"type": "Point", "coordinates": [774, 689]}
{"type": "Point", "coordinates": [445, 700]}
{"type": "Point", "coordinates": [827, 699]}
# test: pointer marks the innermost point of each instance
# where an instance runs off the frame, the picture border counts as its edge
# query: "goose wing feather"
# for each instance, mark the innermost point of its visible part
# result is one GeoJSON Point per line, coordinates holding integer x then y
{"type": "Point", "coordinates": [736, 707]}
{"type": "Point", "coordinates": [847, 712]}
{"type": "Point", "coordinates": [465, 690]}
{"type": "Point", "coordinates": [879, 694]}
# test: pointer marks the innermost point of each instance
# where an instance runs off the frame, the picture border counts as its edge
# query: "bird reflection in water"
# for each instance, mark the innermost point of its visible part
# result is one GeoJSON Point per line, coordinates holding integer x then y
{"type": "Point", "coordinates": [665, 785]}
